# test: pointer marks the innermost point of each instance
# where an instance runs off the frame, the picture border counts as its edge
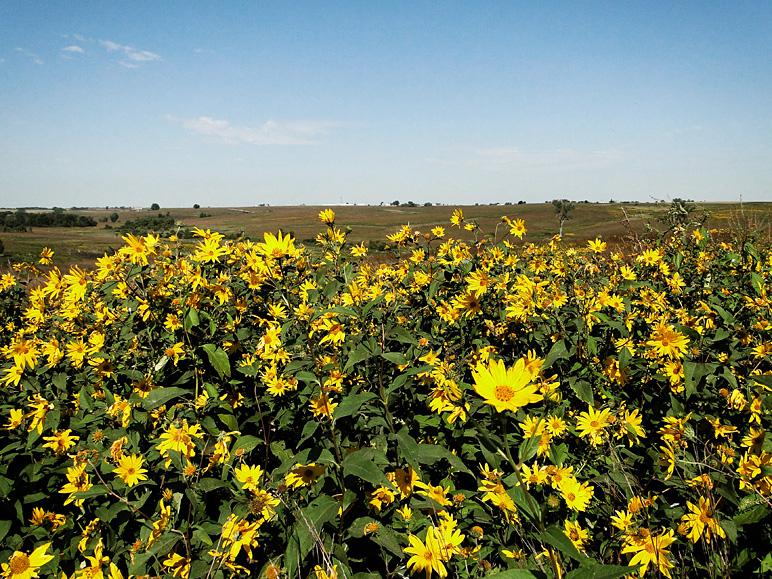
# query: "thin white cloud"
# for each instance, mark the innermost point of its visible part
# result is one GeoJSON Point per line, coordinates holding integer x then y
{"type": "Point", "coordinates": [270, 133]}
{"type": "Point", "coordinates": [35, 58]}
{"type": "Point", "coordinates": [133, 56]}
{"type": "Point", "coordinates": [143, 56]}
{"type": "Point", "coordinates": [74, 49]}
{"type": "Point", "coordinates": [110, 45]}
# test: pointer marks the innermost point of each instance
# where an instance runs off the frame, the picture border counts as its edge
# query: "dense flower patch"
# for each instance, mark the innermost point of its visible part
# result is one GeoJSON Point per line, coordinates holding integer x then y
{"type": "Point", "coordinates": [473, 409]}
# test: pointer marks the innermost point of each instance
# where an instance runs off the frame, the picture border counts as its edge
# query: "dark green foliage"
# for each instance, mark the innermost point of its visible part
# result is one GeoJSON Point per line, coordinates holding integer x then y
{"type": "Point", "coordinates": [20, 220]}
{"type": "Point", "coordinates": [143, 225]}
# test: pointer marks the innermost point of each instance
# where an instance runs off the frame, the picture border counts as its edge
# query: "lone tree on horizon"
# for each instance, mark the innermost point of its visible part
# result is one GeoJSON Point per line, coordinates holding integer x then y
{"type": "Point", "coordinates": [562, 209]}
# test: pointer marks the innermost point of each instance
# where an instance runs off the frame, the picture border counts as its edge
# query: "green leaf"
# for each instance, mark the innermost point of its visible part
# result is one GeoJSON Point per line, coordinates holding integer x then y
{"type": "Point", "coordinates": [425, 369]}
{"type": "Point", "coordinates": [165, 544]}
{"type": "Point", "coordinates": [279, 450]}
{"type": "Point", "coordinates": [309, 521]}
{"type": "Point", "coordinates": [176, 458]}
{"type": "Point", "coordinates": [693, 373]}
{"type": "Point", "coordinates": [351, 312]}
{"type": "Point", "coordinates": [675, 404]}
{"type": "Point", "coordinates": [624, 358]}
{"type": "Point", "coordinates": [402, 335]}
{"type": "Point", "coordinates": [330, 289]}
{"type": "Point", "coordinates": [52, 419]}
{"type": "Point", "coordinates": [514, 574]}
{"type": "Point", "coordinates": [191, 319]}
{"type": "Point", "coordinates": [308, 431]}
{"type": "Point", "coordinates": [558, 539]}
{"type": "Point", "coordinates": [408, 447]}
{"type": "Point", "coordinates": [139, 564]}
{"type": "Point", "coordinates": [360, 464]}
{"type": "Point", "coordinates": [139, 503]}
{"type": "Point", "coordinates": [228, 420]}
{"type": "Point", "coordinates": [753, 515]}
{"type": "Point", "coordinates": [351, 404]}
{"type": "Point", "coordinates": [558, 453]}
{"type": "Point", "coordinates": [292, 557]}
{"type": "Point", "coordinates": [84, 399]}
{"type": "Point", "coordinates": [96, 491]}
{"type": "Point", "coordinates": [357, 528]}
{"type": "Point", "coordinates": [246, 443]}
{"type": "Point", "coordinates": [161, 396]}
{"type": "Point", "coordinates": [387, 539]}
{"type": "Point", "coordinates": [766, 564]}
{"type": "Point", "coordinates": [557, 352]}
{"type": "Point", "coordinates": [35, 497]}
{"type": "Point", "coordinates": [203, 537]}
{"type": "Point", "coordinates": [307, 377]}
{"type": "Point", "coordinates": [583, 390]}
{"type": "Point", "coordinates": [618, 326]}
{"type": "Point", "coordinates": [528, 448]}
{"type": "Point", "coordinates": [431, 453]}
{"type": "Point", "coordinates": [727, 373]}
{"type": "Point", "coordinates": [764, 379]}
{"type": "Point", "coordinates": [730, 529]}
{"type": "Point", "coordinates": [517, 494]}
{"type": "Point", "coordinates": [209, 484]}
{"type": "Point", "coordinates": [60, 381]}
{"type": "Point", "coordinates": [395, 358]}
{"type": "Point", "coordinates": [219, 359]}
{"type": "Point", "coordinates": [317, 454]}
{"type": "Point", "coordinates": [598, 571]}
{"type": "Point", "coordinates": [360, 354]}
{"type": "Point", "coordinates": [5, 526]}
{"type": "Point", "coordinates": [398, 382]}
{"type": "Point", "coordinates": [296, 365]}
{"type": "Point", "coordinates": [370, 305]}
{"type": "Point", "coordinates": [721, 334]}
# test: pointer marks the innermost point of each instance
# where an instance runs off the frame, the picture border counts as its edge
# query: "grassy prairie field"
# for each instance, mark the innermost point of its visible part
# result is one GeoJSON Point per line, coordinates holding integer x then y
{"type": "Point", "coordinates": [612, 222]}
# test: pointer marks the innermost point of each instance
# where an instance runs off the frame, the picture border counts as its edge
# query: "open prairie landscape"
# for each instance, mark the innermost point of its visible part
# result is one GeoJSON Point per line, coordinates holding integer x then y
{"type": "Point", "coordinates": [212, 406]}
{"type": "Point", "coordinates": [491, 297]}
{"type": "Point", "coordinates": [613, 222]}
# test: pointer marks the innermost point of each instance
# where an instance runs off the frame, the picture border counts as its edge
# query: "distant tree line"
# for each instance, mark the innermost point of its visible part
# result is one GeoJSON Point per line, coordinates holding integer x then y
{"type": "Point", "coordinates": [20, 220]}
{"type": "Point", "coordinates": [409, 204]}
{"type": "Point", "coordinates": [163, 224]}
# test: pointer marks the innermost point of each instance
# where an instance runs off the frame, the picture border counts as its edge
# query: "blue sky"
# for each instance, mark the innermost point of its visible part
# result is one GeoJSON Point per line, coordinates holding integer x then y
{"type": "Point", "coordinates": [242, 103]}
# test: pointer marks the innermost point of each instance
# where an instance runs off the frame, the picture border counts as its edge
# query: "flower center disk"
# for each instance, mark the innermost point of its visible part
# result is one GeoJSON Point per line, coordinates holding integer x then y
{"type": "Point", "coordinates": [504, 392]}
{"type": "Point", "coordinates": [19, 564]}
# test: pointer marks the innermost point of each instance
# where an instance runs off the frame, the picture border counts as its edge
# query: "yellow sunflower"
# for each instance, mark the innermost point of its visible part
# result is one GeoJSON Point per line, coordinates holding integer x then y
{"type": "Point", "coordinates": [327, 216]}
{"type": "Point", "coordinates": [304, 475]}
{"type": "Point", "coordinates": [23, 566]}
{"type": "Point", "coordinates": [505, 388]}
{"type": "Point", "coordinates": [592, 423]}
{"type": "Point", "coordinates": [667, 341]}
{"type": "Point", "coordinates": [249, 476]}
{"type": "Point", "coordinates": [276, 247]}
{"type": "Point", "coordinates": [130, 469]}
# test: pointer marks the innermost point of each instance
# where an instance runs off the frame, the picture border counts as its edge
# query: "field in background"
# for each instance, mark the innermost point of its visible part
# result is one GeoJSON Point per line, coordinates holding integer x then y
{"type": "Point", "coordinates": [81, 246]}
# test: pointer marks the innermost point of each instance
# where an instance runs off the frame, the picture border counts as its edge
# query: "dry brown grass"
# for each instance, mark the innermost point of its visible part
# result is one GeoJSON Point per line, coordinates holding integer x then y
{"type": "Point", "coordinates": [373, 223]}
